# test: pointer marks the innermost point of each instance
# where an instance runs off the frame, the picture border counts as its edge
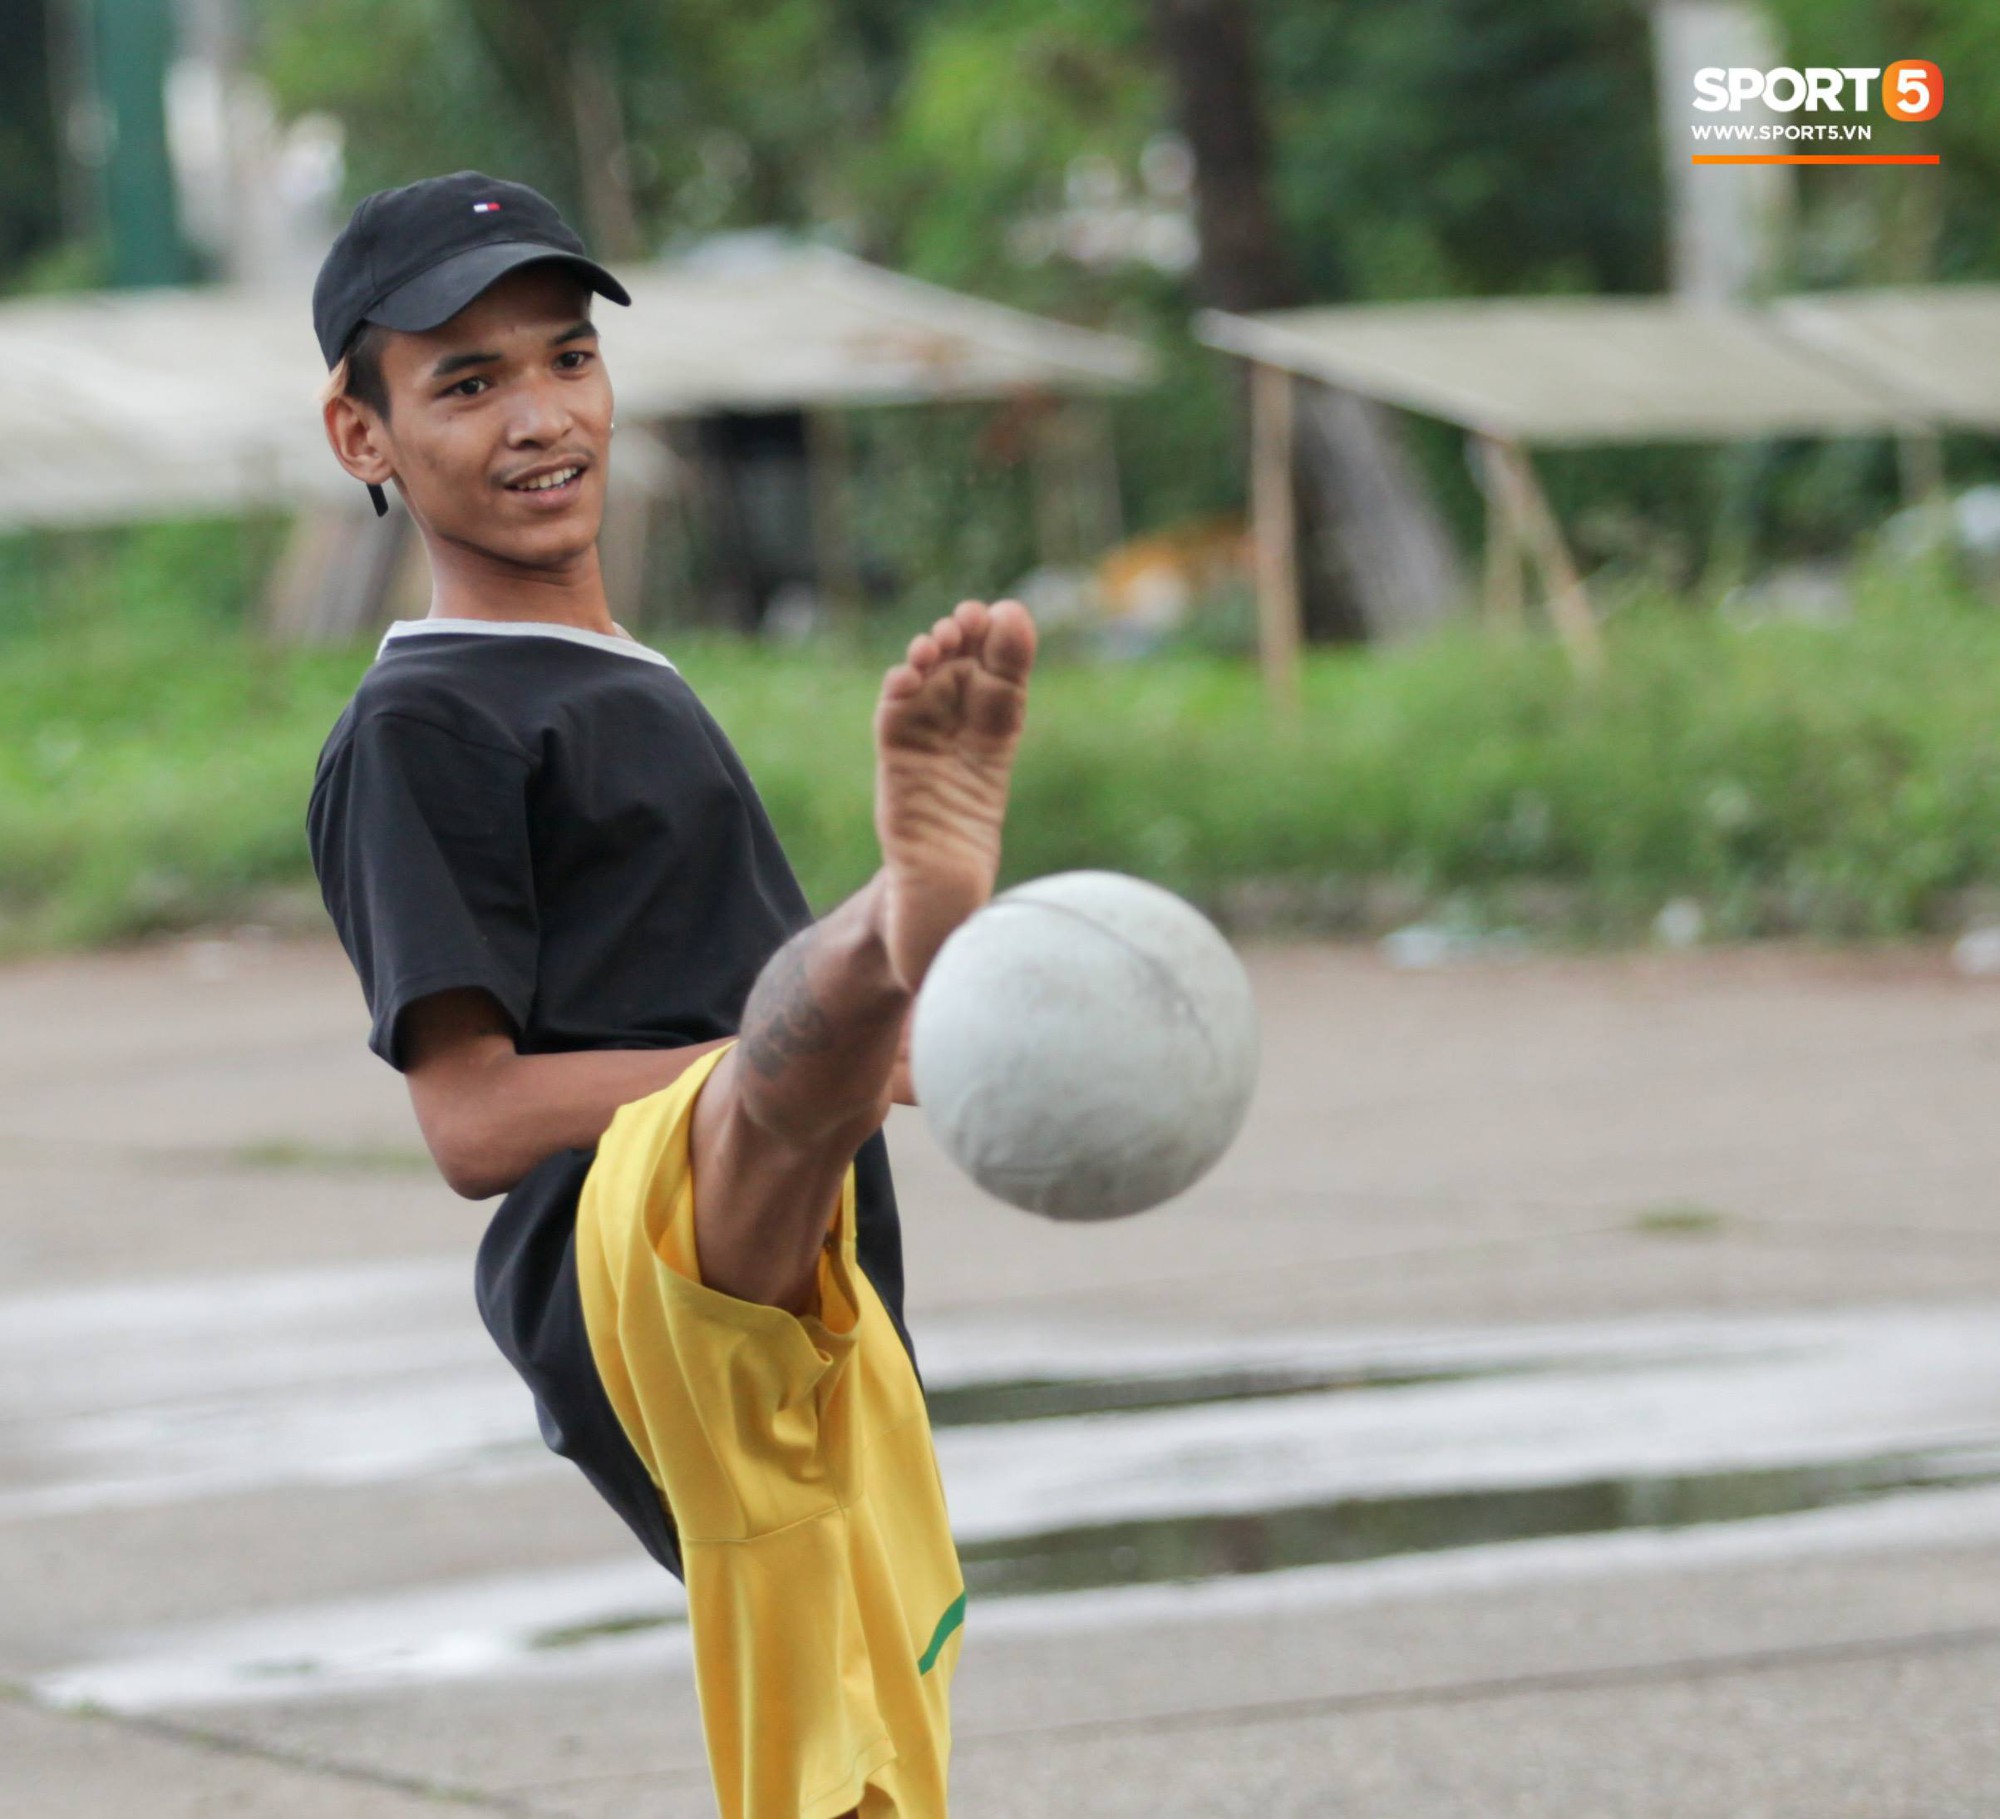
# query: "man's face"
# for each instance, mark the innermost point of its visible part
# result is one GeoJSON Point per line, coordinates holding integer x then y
{"type": "Point", "coordinates": [487, 410]}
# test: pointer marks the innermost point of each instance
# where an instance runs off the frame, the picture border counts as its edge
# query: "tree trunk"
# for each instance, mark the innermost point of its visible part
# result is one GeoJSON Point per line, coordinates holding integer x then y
{"type": "Point", "coordinates": [603, 156]}
{"type": "Point", "coordinates": [561, 64]}
{"type": "Point", "coordinates": [1378, 561]}
{"type": "Point", "coordinates": [1211, 55]}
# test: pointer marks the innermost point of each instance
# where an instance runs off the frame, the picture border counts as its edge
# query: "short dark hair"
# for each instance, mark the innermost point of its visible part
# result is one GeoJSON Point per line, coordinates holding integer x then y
{"type": "Point", "coordinates": [359, 374]}
{"type": "Point", "coordinates": [364, 368]}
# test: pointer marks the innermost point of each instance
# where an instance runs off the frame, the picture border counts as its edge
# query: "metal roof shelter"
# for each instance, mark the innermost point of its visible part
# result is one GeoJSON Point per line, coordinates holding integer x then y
{"type": "Point", "coordinates": [144, 404]}
{"type": "Point", "coordinates": [1937, 348]}
{"type": "Point", "coordinates": [1569, 371]}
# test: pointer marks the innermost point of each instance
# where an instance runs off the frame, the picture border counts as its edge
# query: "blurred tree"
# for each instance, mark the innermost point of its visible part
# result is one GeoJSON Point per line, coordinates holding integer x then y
{"type": "Point", "coordinates": [1860, 226]}
{"type": "Point", "coordinates": [651, 122]}
{"type": "Point", "coordinates": [132, 46]}
{"type": "Point", "coordinates": [1863, 226]}
{"type": "Point", "coordinates": [1377, 558]}
{"type": "Point", "coordinates": [1210, 51]}
{"type": "Point", "coordinates": [1415, 148]}
{"type": "Point", "coordinates": [560, 63]}
{"type": "Point", "coordinates": [1018, 129]}
{"type": "Point", "coordinates": [414, 84]}
{"type": "Point", "coordinates": [30, 185]}
{"type": "Point", "coordinates": [1436, 148]}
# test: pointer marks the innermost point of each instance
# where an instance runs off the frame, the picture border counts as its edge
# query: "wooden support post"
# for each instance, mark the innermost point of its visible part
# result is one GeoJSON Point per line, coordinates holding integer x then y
{"type": "Point", "coordinates": [291, 592]}
{"type": "Point", "coordinates": [1500, 598]}
{"type": "Point", "coordinates": [1274, 520]}
{"type": "Point", "coordinates": [829, 467]}
{"type": "Point", "coordinates": [407, 592]}
{"type": "Point", "coordinates": [1052, 475]}
{"type": "Point", "coordinates": [1920, 466]}
{"type": "Point", "coordinates": [1100, 498]}
{"type": "Point", "coordinates": [679, 524]}
{"type": "Point", "coordinates": [1562, 587]}
{"type": "Point", "coordinates": [342, 572]}
{"type": "Point", "coordinates": [1079, 513]}
{"type": "Point", "coordinates": [624, 539]}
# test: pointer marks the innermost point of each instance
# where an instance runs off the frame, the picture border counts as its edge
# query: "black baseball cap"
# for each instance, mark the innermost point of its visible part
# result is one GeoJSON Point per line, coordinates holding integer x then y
{"type": "Point", "coordinates": [413, 257]}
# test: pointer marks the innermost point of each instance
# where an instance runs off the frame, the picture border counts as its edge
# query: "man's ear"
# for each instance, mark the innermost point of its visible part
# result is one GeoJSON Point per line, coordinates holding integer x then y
{"type": "Point", "coordinates": [358, 441]}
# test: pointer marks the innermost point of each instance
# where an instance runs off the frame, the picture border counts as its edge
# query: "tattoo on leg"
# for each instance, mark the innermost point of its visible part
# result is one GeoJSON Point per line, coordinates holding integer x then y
{"type": "Point", "coordinates": [783, 1019]}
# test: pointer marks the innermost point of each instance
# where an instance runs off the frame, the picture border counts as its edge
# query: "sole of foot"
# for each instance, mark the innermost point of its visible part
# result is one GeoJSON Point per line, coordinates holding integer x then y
{"type": "Point", "coordinates": [946, 730]}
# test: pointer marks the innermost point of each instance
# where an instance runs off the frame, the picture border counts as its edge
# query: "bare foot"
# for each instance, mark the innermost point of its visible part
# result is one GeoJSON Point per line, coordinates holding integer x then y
{"type": "Point", "coordinates": [945, 732]}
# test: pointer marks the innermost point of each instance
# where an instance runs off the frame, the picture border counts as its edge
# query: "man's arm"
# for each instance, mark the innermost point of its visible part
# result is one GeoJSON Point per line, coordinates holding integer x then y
{"type": "Point", "coordinates": [489, 1114]}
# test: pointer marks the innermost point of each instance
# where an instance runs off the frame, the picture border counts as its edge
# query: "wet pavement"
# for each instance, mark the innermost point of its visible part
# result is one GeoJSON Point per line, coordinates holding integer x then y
{"type": "Point", "coordinates": [1579, 1394]}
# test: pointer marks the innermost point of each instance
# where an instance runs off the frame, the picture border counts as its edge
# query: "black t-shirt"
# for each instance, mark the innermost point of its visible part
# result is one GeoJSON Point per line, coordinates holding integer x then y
{"type": "Point", "coordinates": [550, 815]}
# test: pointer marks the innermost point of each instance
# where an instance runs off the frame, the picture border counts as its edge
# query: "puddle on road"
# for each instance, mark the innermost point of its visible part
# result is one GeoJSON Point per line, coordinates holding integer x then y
{"type": "Point", "coordinates": [1182, 1469]}
{"type": "Point", "coordinates": [1179, 1547]}
{"type": "Point", "coordinates": [1195, 1547]}
{"type": "Point", "coordinates": [1051, 1398]}
{"type": "Point", "coordinates": [1165, 1549]}
{"type": "Point", "coordinates": [1191, 1547]}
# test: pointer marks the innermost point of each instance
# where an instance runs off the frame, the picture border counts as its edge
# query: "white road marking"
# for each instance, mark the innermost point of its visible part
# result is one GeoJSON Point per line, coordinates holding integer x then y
{"type": "Point", "coordinates": [449, 1632]}
{"type": "Point", "coordinates": [1855, 1387]}
{"type": "Point", "coordinates": [147, 1395]}
{"type": "Point", "coordinates": [500, 1627]}
{"type": "Point", "coordinates": [164, 1393]}
{"type": "Point", "coordinates": [144, 1396]}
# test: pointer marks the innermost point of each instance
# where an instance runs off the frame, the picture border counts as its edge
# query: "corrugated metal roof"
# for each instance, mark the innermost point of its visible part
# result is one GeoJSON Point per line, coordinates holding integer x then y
{"type": "Point", "coordinates": [749, 330]}
{"type": "Point", "coordinates": [1938, 346]}
{"type": "Point", "coordinates": [147, 404]}
{"type": "Point", "coordinates": [1570, 370]}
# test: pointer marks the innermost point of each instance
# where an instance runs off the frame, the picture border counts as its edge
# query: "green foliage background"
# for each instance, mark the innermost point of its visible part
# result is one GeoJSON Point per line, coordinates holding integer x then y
{"type": "Point", "coordinates": [1422, 148]}
{"type": "Point", "coordinates": [30, 219]}
{"type": "Point", "coordinates": [1839, 779]}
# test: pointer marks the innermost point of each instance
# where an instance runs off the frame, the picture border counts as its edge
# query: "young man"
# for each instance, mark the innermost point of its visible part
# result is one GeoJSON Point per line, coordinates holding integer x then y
{"type": "Point", "coordinates": [581, 944]}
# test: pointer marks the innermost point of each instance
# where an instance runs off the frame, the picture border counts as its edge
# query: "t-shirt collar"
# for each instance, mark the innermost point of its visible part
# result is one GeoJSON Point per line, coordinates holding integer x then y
{"type": "Point", "coordinates": [624, 645]}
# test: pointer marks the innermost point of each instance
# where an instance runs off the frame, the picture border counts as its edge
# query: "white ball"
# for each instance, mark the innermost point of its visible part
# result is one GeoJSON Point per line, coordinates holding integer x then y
{"type": "Point", "coordinates": [1085, 1046]}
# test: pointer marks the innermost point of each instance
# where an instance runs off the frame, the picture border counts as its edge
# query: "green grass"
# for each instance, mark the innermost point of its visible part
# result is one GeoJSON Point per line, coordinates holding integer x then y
{"type": "Point", "coordinates": [1680, 1219]}
{"type": "Point", "coordinates": [1839, 781]}
{"type": "Point", "coordinates": [332, 1159]}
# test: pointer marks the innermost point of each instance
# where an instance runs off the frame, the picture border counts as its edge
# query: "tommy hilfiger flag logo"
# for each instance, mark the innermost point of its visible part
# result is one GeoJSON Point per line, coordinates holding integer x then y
{"type": "Point", "coordinates": [486, 208]}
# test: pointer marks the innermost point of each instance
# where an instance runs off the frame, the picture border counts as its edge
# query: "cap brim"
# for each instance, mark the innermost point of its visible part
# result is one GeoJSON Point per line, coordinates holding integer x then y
{"type": "Point", "coordinates": [435, 296]}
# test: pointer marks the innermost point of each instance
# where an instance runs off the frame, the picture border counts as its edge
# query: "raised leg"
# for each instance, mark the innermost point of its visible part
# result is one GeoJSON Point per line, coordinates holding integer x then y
{"type": "Point", "coordinates": [779, 1120]}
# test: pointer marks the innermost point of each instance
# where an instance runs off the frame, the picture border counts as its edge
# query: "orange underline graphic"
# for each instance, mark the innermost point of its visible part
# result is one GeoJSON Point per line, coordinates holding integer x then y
{"type": "Point", "coordinates": [1815, 157]}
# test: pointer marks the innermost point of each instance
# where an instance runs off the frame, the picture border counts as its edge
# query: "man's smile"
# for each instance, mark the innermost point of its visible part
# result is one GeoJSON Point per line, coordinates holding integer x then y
{"type": "Point", "coordinates": [550, 484]}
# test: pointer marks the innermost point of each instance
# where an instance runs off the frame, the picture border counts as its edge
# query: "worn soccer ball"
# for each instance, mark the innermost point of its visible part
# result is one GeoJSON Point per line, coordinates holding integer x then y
{"type": "Point", "coordinates": [1085, 1046]}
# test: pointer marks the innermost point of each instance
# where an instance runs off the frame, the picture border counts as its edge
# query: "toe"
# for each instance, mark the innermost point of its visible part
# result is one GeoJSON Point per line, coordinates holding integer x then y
{"type": "Point", "coordinates": [923, 652]}
{"type": "Point", "coordinates": [1010, 642]}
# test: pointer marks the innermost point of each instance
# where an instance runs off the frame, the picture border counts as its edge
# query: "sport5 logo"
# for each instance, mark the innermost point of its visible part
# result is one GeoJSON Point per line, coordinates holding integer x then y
{"type": "Point", "coordinates": [1912, 89]}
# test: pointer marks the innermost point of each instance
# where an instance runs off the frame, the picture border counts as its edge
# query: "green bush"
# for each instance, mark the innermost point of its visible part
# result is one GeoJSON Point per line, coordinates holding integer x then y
{"type": "Point", "coordinates": [1840, 780]}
